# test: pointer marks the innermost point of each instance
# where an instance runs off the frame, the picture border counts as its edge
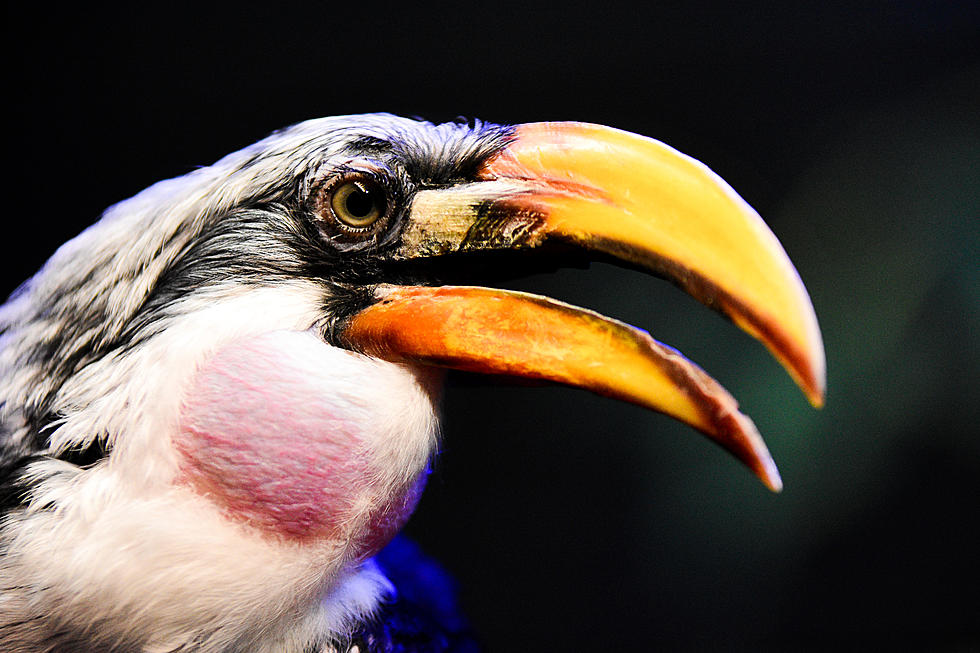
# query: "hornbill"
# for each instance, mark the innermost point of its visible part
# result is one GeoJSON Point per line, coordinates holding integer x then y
{"type": "Point", "coordinates": [220, 402]}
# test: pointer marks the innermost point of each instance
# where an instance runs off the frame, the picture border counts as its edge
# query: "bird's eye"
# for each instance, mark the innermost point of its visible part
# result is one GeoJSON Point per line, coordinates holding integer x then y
{"type": "Point", "coordinates": [358, 203]}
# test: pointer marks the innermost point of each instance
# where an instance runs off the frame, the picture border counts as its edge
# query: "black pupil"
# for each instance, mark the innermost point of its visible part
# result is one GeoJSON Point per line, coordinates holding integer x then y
{"type": "Point", "coordinates": [360, 203]}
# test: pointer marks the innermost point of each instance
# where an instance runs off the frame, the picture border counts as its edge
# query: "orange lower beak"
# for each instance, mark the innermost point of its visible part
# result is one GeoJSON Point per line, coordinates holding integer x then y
{"type": "Point", "coordinates": [528, 336]}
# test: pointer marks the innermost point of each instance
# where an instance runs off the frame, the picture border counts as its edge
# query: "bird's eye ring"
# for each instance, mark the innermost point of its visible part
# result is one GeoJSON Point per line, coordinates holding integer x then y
{"type": "Point", "coordinates": [357, 201]}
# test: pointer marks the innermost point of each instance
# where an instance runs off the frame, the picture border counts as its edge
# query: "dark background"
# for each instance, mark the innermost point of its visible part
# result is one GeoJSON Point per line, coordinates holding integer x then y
{"type": "Point", "coordinates": [573, 522]}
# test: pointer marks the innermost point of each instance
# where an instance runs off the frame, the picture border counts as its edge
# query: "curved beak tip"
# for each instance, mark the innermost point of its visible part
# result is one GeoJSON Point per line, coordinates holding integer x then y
{"type": "Point", "coordinates": [770, 475]}
{"type": "Point", "coordinates": [813, 377]}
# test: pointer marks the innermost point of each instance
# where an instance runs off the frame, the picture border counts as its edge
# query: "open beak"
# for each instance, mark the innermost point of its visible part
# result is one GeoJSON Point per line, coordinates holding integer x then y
{"type": "Point", "coordinates": [608, 194]}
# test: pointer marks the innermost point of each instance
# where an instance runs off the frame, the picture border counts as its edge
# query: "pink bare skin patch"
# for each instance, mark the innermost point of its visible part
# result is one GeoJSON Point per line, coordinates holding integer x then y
{"type": "Point", "coordinates": [303, 440]}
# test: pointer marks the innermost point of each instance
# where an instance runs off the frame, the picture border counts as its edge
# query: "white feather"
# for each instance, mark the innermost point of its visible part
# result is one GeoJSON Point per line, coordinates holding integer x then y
{"type": "Point", "coordinates": [128, 546]}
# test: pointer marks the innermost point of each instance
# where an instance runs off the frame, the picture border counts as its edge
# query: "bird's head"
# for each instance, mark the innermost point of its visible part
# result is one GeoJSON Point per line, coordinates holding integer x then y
{"type": "Point", "coordinates": [262, 339]}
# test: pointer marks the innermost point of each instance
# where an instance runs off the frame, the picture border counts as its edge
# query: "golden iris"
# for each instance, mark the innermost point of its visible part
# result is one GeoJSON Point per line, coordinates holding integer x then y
{"type": "Point", "coordinates": [358, 203]}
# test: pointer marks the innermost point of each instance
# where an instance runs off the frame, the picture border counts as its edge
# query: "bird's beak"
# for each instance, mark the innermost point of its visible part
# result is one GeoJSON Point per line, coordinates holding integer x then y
{"type": "Point", "coordinates": [610, 194]}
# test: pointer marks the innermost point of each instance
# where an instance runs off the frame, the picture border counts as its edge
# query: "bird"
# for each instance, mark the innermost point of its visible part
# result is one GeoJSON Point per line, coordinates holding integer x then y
{"type": "Point", "coordinates": [220, 402]}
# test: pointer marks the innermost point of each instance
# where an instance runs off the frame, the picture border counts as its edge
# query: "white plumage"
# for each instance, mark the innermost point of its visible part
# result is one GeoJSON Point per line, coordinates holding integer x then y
{"type": "Point", "coordinates": [128, 547]}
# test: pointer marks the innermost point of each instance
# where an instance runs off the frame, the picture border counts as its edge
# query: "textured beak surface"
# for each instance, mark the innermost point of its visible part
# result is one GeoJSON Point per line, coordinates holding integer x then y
{"type": "Point", "coordinates": [607, 194]}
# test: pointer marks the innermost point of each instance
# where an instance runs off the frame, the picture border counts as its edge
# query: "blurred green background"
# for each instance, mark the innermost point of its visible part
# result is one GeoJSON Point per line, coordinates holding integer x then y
{"type": "Point", "coordinates": [573, 522]}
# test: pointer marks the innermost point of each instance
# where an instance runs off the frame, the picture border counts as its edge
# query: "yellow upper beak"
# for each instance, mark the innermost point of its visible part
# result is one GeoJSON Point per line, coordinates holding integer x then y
{"type": "Point", "coordinates": [612, 194]}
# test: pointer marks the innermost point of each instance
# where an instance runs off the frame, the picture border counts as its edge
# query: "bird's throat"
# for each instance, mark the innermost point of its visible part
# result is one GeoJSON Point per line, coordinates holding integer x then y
{"type": "Point", "coordinates": [283, 434]}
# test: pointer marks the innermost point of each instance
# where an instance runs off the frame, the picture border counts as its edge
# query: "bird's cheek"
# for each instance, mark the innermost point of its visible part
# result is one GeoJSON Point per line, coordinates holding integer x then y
{"type": "Point", "coordinates": [272, 432]}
